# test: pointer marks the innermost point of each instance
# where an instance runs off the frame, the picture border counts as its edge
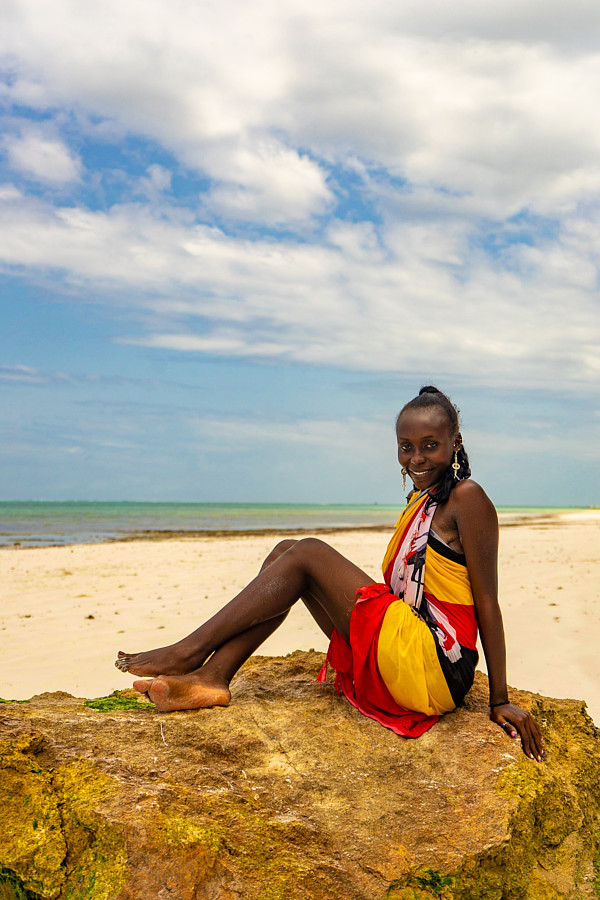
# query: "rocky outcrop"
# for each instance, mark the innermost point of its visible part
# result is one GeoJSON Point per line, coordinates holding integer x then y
{"type": "Point", "coordinates": [291, 793]}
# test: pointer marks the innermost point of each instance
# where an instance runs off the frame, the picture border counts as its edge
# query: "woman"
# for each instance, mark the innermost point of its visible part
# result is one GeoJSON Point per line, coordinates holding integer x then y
{"type": "Point", "coordinates": [404, 651]}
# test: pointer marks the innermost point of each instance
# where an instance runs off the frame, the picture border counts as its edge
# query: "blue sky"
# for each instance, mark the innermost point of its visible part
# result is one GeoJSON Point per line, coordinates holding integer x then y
{"type": "Point", "coordinates": [237, 237]}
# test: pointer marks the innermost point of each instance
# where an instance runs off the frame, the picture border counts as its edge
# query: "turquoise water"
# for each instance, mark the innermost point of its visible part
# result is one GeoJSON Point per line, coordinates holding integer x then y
{"type": "Point", "coordinates": [43, 524]}
{"type": "Point", "coordinates": [46, 523]}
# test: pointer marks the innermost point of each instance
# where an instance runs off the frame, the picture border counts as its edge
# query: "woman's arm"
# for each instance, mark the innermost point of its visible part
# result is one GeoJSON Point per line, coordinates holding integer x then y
{"type": "Point", "coordinates": [477, 525]}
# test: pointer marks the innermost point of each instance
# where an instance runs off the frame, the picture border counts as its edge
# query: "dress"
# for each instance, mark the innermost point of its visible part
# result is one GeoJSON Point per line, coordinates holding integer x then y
{"type": "Point", "coordinates": [412, 652]}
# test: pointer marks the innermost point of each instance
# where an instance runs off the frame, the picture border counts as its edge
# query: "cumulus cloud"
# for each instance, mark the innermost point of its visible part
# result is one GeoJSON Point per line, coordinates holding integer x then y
{"type": "Point", "coordinates": [483, 101]}
{"type": "Point", "coordinates": [42, 158]}
{"type": "Point", "coordinates": [154, 184]}
{"type": "Point", "coordinates": [263, 181]}
{"type": "Point", "coordinates": [364, 300]}
{"type": "Point", "coordinates": [464, 142]}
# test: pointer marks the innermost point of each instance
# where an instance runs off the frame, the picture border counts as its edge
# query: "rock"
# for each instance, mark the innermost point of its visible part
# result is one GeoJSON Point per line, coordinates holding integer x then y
{"type": "Point", "coordinates": [291, 793]}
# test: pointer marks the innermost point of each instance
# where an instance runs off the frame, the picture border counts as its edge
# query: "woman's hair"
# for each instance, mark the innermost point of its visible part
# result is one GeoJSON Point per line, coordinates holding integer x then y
{"type": "Point", "coordinates": [429, 396]}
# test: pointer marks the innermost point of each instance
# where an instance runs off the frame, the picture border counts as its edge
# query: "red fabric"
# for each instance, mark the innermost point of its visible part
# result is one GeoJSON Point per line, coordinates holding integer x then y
{"type": "Point", "coordinates": [462, 618]}
{"type": "Point", "coordinates": [356, 667]}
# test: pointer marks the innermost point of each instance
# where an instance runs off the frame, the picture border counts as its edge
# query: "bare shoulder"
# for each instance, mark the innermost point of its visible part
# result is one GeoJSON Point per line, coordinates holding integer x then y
{"type": "Point", "coordinates": [470, 491]}
{"type": "Point", "coordinates": [470, 500]}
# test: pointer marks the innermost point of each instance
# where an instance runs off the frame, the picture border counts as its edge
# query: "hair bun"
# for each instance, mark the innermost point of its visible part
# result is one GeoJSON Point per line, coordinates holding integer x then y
{"type": "Point", "coordinates": [429, 389]}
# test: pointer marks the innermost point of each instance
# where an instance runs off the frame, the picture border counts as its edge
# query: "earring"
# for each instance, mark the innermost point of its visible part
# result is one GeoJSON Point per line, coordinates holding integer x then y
{"type": "Point", "coordinates": [404, 471]}
{"type": "Point", "coordinates": [456, 465]}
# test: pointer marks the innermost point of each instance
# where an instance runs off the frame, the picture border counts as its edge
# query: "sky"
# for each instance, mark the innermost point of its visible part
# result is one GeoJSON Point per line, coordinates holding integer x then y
{"type": "Point", "coordinates": [236, 237]}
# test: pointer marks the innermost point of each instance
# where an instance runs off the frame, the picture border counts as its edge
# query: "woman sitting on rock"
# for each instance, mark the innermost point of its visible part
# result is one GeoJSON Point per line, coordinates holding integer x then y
{"type": "Point", "coordinates": [404, 650]}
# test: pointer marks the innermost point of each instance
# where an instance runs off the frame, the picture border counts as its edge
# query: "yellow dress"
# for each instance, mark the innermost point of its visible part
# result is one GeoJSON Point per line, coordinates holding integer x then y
{"type": "Point", "coordinates": [412, 651]}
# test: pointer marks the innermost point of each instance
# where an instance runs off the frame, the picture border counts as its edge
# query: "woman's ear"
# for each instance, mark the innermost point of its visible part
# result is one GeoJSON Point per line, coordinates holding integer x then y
{"type": "Point", "coordinates": [458, 441]}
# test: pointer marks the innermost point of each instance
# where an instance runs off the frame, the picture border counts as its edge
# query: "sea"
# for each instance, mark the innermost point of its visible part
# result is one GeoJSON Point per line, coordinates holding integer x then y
{"type": "Point", "coordinates": [49, 524]}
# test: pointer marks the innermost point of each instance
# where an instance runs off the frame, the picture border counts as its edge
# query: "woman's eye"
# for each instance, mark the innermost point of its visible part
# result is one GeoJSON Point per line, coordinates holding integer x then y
{"type": "Point", "coordinates": [404, 448]}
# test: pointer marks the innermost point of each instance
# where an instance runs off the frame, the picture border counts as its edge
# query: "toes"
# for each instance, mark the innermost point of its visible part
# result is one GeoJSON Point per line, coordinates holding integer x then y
{"type": "Point", "coordinates": [125, 660]}
{"type": "Point", "coordinates": [142, 687]}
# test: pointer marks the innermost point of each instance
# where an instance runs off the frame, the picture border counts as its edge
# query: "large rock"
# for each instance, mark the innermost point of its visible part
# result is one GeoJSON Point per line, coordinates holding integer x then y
{"type": "Point", "coordinates": [291, 793]}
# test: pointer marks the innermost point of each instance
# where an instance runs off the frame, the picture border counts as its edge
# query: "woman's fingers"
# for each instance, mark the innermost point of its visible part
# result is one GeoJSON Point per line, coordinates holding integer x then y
{"type": "Point", "coordinates": [537, 739]}
{"type": "Point", "coordinates": [509, 729]}
{"type": "Point", "coordinates": [532, 738]}
{"type": "Point", "coordinates": [528, 742]}
{"type": "Point", "coordinates": [517, 722]}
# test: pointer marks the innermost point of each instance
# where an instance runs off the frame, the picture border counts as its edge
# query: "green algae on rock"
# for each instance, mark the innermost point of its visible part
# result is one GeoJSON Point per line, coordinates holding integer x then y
{"type": "Point", "coordinates": [423, 884]}
{"type": "Point", "coordinates": [116, 701]}
{"type": "Point", "coordinates": [95, 861]}
{"type": "Point", "coordinates": [291, 793]}
{"type": "Point", "coordinates": [33, 846]}
{"type": "Point", "coordinates": [56, 843]}
{"type": "Point", "coordinates": [12, 889]}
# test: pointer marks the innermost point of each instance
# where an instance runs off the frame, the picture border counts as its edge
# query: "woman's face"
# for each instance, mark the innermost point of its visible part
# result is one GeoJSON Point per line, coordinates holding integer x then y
{"type": "Point", "coordinates": [425, 444]}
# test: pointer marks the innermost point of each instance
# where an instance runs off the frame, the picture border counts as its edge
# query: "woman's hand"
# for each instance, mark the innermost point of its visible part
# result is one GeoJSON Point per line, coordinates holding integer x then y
{"type": "Point", "coordinates": [517, 722]}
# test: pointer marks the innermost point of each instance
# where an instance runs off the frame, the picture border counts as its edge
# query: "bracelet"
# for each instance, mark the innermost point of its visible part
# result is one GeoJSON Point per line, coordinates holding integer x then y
{"type": "Point", "coordinates": [502, 703]}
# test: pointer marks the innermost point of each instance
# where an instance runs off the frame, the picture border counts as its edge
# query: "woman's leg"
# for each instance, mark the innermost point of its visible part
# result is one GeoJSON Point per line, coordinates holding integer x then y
{"type": "Point", "coordinates": [209, 685]}
{"type": "Point", "coordinates": [309, 568]}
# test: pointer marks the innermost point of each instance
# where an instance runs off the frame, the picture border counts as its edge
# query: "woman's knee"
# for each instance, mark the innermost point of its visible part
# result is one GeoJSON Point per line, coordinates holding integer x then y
{"type": "Point", "coordinates": [311, 548]}
{"type": "Point", "coordinates": [303, 553]}
{"type": "Point", "coordinates": [278, 549]}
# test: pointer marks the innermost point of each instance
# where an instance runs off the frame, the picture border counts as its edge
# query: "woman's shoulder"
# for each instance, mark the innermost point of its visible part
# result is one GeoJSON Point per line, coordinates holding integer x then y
{"type": "Point", "coordinates": [468, 487]}
{"type": "Point", "coordinates": [468, 496]}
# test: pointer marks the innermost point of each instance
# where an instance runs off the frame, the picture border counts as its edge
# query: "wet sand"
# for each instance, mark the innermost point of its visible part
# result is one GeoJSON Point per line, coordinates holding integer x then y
{"type": "Point", "coordinates": [67, 610]}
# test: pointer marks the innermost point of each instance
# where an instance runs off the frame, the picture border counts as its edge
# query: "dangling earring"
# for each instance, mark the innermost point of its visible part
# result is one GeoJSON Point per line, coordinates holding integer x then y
{"type": "Point", "coordinates": [404, 471]}
{"type": "Point", "coordinates": [456, 465]}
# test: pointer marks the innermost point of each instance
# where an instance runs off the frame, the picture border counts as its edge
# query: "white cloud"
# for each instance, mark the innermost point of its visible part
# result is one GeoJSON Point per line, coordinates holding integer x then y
{"type": "Point", "coordinates": [537, 21]}
{"type": "Point", "coordinates": [154, 184]}
{"type": "Point", "coordinates": [452, 121]}
{"type": "Point", "coordinates": [391, 301]}
{"type": "Point", "coordinates": [42, 158]}
{"type": "Point", "coordinates": [499, 102]}
{"type": "Point", "coordinates": [265, 182]}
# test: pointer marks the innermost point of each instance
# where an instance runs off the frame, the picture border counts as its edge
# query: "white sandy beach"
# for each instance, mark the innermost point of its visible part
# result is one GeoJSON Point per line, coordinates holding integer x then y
{"type": "Point", "coordinates": [67, 610]}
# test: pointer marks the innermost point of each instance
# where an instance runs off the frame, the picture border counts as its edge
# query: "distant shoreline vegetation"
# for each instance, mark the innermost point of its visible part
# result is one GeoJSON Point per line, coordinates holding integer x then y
{"type": "Point", "coordinates": [60, 523]}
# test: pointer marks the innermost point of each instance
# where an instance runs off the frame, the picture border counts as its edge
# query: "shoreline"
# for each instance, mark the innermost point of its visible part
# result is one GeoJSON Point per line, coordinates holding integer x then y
{"type": "Point", "coordinates": [505, 520]}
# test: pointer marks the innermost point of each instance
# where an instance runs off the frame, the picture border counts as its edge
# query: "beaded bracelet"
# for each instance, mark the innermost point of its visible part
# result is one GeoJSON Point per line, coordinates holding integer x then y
{"type": "Point", "coordinates": [502, 703]}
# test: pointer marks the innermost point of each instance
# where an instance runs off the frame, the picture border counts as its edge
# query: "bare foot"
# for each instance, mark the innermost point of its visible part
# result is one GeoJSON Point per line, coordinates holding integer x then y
{"type": "Point", "coordinates": [177, 659]}
{"type": "Point", "coordinates": [194, 691]}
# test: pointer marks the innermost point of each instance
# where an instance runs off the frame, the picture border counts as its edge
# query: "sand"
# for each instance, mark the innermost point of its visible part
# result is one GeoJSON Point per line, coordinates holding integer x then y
{"type": "Point", "coordinates": [67, 610]}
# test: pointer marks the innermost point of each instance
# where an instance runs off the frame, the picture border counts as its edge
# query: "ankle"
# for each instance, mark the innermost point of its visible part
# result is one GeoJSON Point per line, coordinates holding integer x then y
{"type": "Point", "coordinates": [215, 674]}
{"type": "Point", "coordinates": [191, 653]}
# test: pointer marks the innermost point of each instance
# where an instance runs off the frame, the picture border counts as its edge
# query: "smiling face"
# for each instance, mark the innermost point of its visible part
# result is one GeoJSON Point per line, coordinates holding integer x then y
{"type": "Point", "coordinates": [426, 444]}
